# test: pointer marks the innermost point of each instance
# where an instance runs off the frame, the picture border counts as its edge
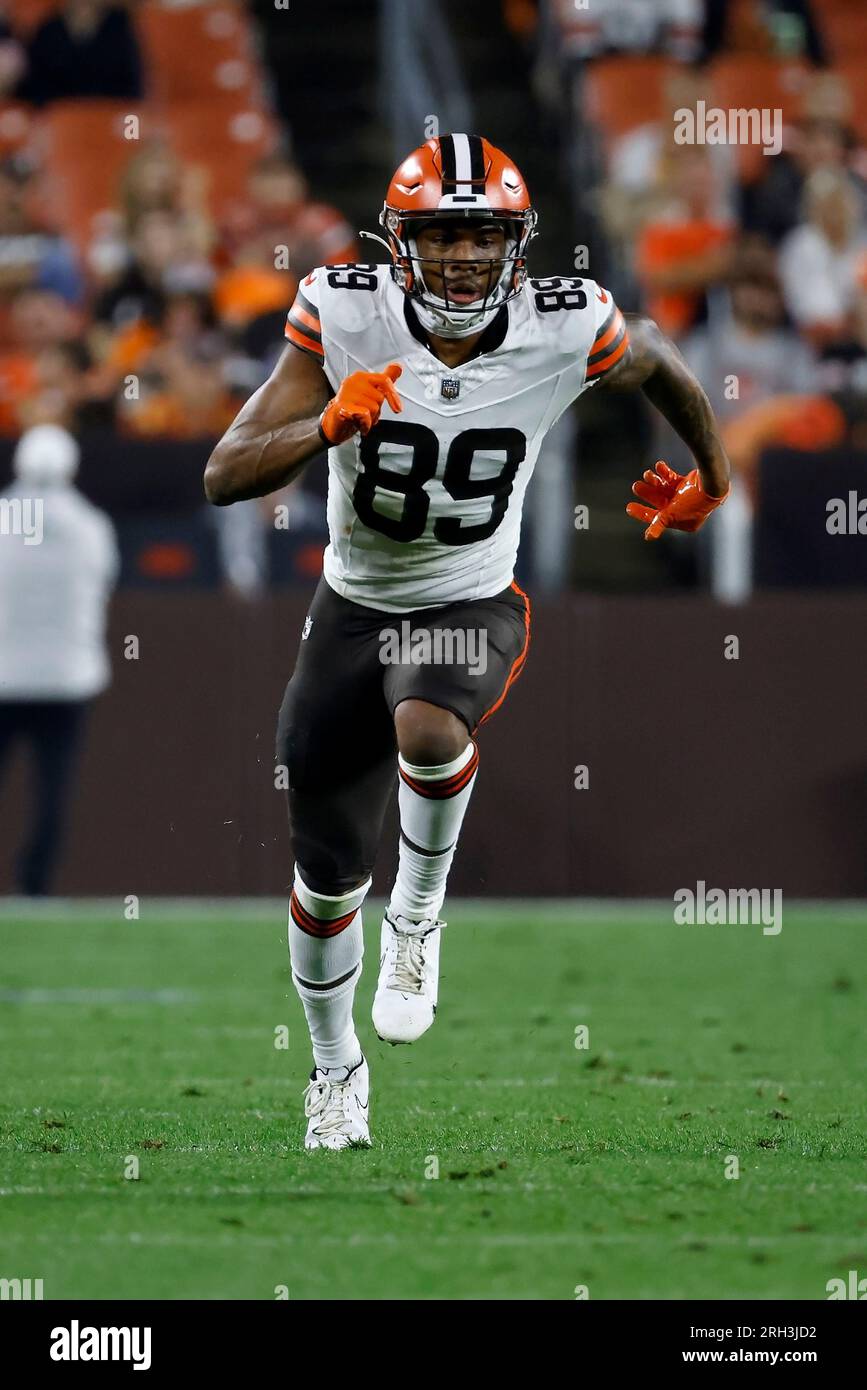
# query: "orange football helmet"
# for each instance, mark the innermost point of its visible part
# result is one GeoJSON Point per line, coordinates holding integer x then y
{"type": "Point", "coordinates": [458, 177]}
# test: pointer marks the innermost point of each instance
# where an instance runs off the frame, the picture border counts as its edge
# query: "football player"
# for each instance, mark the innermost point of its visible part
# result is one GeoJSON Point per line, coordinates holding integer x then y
{"type": "Point", "coordinates": [432, 381]}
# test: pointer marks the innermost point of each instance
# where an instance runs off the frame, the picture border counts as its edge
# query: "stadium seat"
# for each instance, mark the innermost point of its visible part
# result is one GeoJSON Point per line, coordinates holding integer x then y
{"type": "Point", "coordinates": [742, 81]}
{"type": "Point", "coordinates": [222, 137]}
{"type": "Point", "coordinates": [26, 15]}
{"type": "Point", "coordinates": [85, 147]}
{"type": "Point", "coordinates": [844, 26]}
{"type": "Point", "coordinates": [624, 93]}
{"type": "Point", "coordinates": [198, 53]}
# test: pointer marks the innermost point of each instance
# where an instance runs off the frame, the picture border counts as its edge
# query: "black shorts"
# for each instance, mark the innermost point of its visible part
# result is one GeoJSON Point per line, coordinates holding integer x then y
{"type": "Point", "coordinates": [335, 733]}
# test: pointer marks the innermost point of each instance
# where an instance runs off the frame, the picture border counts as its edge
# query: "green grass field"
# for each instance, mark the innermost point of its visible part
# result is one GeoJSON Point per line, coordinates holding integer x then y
{"type": "Point", "coordinates": [558, 1167]}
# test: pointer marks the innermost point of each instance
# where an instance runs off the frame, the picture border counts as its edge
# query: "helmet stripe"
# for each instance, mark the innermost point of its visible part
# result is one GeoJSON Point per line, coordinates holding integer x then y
{"type": "Point", "coordinates": [463, 172]}
{"type": "Point", "coordinates": [463, 167]}
{"type": "Point", "coordinates": [447, 159]}
{"type": "Point", "coordinates": [477, 159]}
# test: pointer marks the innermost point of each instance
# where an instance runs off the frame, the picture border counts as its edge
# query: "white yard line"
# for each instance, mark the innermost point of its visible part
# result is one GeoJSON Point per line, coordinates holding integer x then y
{"type": "Point", "coordinates": [268, 909]}
{"type": "Point", "coordinates": [598, 1081]}
{"type": "Point", "coordinates": [98, 996]}
{"type": "Point", "coordinates": [500, 1186]}
{"type": "Point", "coordinates": [387, 1238]}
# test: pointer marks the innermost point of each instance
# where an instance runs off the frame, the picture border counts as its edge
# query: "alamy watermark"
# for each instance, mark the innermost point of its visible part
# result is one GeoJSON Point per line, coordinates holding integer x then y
{"type": "Point", "coordinates": [712, 125]}
{"type": "Point", "coordinates": [22, 516]}
{"type": "Point", "coordinates": [740, 906]}
{"type": "Point", "coordinates": [20, 1289]}
{"type": "Point", "coordinates": [851, 1287]}
{"type": "Point", "coordinates": [436, 646]}
{"type": "Point", "coordinates": [847, 516]}
{"type": "Point", "coordinates": [77, 1343]}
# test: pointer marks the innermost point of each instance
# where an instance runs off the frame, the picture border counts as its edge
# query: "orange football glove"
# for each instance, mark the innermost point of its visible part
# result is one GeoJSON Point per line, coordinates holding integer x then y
{"type": "Point", "coordinates": [358, 402]}
{"type": "Point", "coordinates": [674, 500]}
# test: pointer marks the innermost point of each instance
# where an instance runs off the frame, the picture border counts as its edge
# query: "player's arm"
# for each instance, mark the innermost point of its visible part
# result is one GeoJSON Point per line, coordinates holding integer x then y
{"type": "Point", "coordinates": [632, 353]}
{"type": "Point", "coordinates": [653, 364]}
{"type": "Point", "coordinates": [288, 420]}
{"type": "Point", "coordinates": [273, 435]}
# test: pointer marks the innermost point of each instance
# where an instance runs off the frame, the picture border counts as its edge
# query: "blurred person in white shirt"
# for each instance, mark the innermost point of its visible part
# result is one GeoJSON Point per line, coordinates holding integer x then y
{"type": "Point", "coordinates": [59, 563]}
{"type": "Point", "coordinates": [629, 26]}
{"type": "Point", "coordinates": [823, 262]}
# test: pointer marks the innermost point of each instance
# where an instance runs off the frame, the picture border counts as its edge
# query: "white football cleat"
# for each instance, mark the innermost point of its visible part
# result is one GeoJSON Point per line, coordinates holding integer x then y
{"type": "Point", "coordinates": [337, 1104]}
{"type": "Point", "coordinates": [405, 1002]}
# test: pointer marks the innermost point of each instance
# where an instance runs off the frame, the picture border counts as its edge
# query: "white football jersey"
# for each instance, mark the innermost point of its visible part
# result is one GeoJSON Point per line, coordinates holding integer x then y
{"type": "Point", "coordinates": [426, 509]}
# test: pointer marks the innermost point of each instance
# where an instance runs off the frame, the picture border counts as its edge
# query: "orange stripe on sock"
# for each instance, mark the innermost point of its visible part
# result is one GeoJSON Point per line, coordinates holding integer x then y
{"type": "Point", "coordinates": [317, 926]}
{"type": "Point", "coordinates": [449, 786]}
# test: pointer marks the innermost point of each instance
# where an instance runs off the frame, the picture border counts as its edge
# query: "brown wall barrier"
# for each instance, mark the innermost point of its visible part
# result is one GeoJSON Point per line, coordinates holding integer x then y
{"type": "Point", "coordinates": [746, 774]}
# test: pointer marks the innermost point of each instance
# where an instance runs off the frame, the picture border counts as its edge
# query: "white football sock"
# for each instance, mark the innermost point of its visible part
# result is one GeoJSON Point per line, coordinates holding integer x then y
{"type": "Point", "coordinates": [432, 803]}
{"type": "Point", "coordinates": [325, 949]}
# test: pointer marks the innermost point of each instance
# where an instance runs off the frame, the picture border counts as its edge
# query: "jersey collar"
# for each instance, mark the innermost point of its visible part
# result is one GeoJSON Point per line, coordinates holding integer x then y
{"type": "Point", "coordinates": [491, 339]}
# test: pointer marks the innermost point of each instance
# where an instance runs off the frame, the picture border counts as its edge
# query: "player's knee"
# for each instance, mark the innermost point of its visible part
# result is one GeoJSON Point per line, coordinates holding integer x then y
{"type": "Point", "coordinates": [330, 882]}
{"type": "Point", "coordinates": [427, 735]}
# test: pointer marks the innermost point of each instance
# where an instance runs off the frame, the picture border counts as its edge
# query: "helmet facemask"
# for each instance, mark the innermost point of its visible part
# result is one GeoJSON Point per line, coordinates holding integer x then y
{"type": "Point", "coordinates": [438, 313]}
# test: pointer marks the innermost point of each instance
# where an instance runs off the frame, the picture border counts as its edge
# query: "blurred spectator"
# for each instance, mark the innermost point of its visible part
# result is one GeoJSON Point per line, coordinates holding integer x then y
{"type": "Point", "coordinates": [639, 159]}
{"type": "Point", "coordinates": [57, 571]}
{"type": "Point", "coordinates": [154, 180]}
{"type": "Point", "coordinates": [276, 212]}
{"type": "Point", "coordinates": [189, 321]}
{"type": "Point", "coordinates": [41, 317]}
{"type": "Point", "coordinates": [184, 393]}
{"type": "Point", "coordinates": [65, 391]}
{"type": "Point", "coordinates": [746, 353]}
{"type": "Point", "coordinates": [823, 262]}
{"type": "Point", "coordinates": [809, 422]}
{"type": "Point", "coordinates": [774, 205]}
{"type": "Point", "coordinates": [38, 320]}
{"type": "Point", "coordinates": [628, 26]}
{"type": "Point", "coordinates": [87, 50]}
{"type": "Point", "coordinates": [13, 58]}
{"type": "Point", "coordinates": [163, 259]}
{"type": "Point", "coordinates": [784, 27]}
{"type": "Point", "coordinates": [684, 252]}
{"type": "Point", "coordinates": [30, 254]}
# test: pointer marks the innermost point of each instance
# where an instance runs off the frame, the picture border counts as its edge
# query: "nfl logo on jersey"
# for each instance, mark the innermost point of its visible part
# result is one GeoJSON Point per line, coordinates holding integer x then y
{"type": "Point", "coordinates": [450, 388]}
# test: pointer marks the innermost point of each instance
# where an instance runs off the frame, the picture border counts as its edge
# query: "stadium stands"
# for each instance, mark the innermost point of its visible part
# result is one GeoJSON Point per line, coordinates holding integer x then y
{"type": "Point", "coordinates": [160, 215]}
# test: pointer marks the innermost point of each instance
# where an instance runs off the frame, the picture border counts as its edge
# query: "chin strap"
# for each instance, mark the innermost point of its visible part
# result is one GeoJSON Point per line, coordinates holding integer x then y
{"type": "Point", "coordinates": [444, 326]}
{"type": "Point", "coordinates": [436, 319]}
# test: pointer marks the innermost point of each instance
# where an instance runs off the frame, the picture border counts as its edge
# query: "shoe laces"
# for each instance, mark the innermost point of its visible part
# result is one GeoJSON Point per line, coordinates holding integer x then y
{"type": "Point", "coordinates": [328, 1099]}
{"type": "Point", "coordinates": [408, 972]}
